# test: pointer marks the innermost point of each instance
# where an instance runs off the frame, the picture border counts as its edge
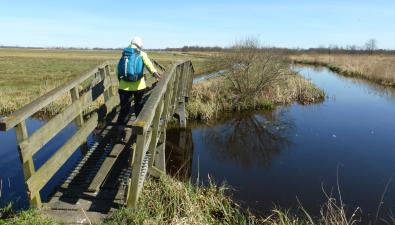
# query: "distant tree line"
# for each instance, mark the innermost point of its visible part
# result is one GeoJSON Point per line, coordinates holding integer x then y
{"type": "Point", "coordinates": [369, 47]}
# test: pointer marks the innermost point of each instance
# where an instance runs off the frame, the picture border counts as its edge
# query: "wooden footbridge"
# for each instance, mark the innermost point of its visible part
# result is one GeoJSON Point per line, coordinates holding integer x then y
{"type": "Point", "coordinates": [112, 170]}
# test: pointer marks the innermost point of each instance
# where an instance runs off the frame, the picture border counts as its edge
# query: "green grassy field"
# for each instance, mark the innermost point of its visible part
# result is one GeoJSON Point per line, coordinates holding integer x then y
{"type": "Point", "coordinates": [29, 73]}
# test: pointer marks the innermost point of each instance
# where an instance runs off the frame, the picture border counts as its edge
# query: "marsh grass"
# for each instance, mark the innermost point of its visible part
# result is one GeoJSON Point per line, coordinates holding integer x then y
{"type": "Point", "coordinates": [212, 97]}
{"type": "Point", "coordinates": [376, 68]}
{"type": "Point", "coordinates": [168, 201]}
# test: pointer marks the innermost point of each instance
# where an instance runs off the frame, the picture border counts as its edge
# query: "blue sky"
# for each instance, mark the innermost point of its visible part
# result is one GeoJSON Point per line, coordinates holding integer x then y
{"type": "Point", "coordinates": [287, 23]}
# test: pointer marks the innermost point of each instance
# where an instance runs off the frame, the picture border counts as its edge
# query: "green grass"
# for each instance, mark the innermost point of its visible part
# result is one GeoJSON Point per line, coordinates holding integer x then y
{"type": "Point", "coordinates": [168, 201]}
{"type": "Point", "coordinates": [27, 74]}
{"type": "Point", "coordinates": [28, 217]}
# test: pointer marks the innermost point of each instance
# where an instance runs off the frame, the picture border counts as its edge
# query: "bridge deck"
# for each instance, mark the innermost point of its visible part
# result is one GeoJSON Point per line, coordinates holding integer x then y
{"type": "Point", "coordinates": [103, 180]}
{"type": "Point", "coordinates": [97, 185]}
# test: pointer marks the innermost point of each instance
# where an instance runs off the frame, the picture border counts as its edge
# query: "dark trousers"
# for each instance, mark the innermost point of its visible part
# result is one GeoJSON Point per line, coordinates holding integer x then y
{"type": "Point", "coordinates": [125, 98]}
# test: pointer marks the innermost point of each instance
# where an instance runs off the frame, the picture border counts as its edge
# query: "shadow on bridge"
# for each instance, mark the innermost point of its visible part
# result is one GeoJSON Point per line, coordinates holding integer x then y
{"type": "Point", "coordinates": [111, 172]}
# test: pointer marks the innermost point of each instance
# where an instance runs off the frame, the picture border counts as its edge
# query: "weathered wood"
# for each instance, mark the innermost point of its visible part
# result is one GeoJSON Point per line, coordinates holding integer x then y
{"type": "Point", "coordinates": [182, 114]}
{"type": "Point", "coordinates": [28, 165]}
{"type": "Point", "coordinates": [56, 124]}
{"type": "Point", "coordinates": [160, 160]}
{"type": "Point", "coordinates": [174, 98]}
{"type": "Point", "coordinates": [108, 165]}
{"type": "Point", "coordinates": [155, 172]}
{"type": "Point", "coordinates": [104, 76]}
{"type": "Point", "coordinates": [111, 91]}
{"type": "Point", "coordinates": [101, 174]}
{"type": "Point", "coordinates": [21, 114]}
{"type": "Point", "coordinates": [46, 171]}
{"type": "Point", "coordinates": [146, 115]}
{"type": "Point", "coordinates": [155, 132]}
{"type": "Point", "coordinates": [134, 183]}
{"type": "Point", "coordinates": [158, 65]}
{"type": "Point", "coordinates": [79, 120]}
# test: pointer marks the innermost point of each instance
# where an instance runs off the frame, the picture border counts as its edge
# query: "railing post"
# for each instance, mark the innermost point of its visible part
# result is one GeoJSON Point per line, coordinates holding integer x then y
{"type": "Point", "coordinates": [28, 165]}
{"type": "Point", "coordinates": [79, 120]}
{"type": "Point", "coordinates": [155, 132]}
{"type": "Point", "coordinates": [111, 90]}
{"type": "Point", "coordinates": [180, 102]}
{"type": "Point", "coordinates": [174, 98]}
{"type": "Point", "coordinates": [160, 157]}
{"type": "Point", "coordinates": [103, 75]}
{"type": "Point", "coordinates": [135, 183]}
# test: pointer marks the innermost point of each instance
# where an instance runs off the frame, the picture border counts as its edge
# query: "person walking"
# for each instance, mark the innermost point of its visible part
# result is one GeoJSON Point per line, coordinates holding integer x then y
{"type": "Point", "coordinates": [131, 80]}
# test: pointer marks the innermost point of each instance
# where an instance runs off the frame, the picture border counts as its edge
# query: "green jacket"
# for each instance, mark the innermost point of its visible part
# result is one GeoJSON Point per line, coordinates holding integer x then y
{"type": "Point", "coordinates": [140, 84]}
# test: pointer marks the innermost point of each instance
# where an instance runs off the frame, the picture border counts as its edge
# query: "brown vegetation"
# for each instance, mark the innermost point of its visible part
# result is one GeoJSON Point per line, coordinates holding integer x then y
{"type": "Point", "coordinates": [255, 79]}
{"type": "Point", "coordinates": [377, 68]}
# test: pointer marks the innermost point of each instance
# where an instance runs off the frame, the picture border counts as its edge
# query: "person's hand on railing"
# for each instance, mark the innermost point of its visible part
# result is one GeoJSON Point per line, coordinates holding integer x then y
{"type": "Point", "coordinates": [157, 75]}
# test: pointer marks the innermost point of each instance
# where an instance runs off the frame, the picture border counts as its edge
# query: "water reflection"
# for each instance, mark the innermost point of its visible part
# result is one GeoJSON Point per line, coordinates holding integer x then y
{"type": "Point", "coordinates": [249, 139]}
{"type": "Point", "coordinates": [179, 153]}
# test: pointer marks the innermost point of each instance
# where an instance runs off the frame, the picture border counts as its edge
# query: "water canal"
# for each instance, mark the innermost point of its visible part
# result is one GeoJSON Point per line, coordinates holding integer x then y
{"type": "Point", "coordinates": [272, 158]}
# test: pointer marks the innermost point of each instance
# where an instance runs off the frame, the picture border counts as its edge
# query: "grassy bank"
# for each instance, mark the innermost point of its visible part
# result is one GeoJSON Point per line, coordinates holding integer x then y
{"type": "Point", "coordinates": [377, 68]}
{"type": "Point", "coordinates": [29, 73]}
{"type": "Point", "coordinates": [167, 201]}
{"type": "Point", "coordinates": [212, 97]}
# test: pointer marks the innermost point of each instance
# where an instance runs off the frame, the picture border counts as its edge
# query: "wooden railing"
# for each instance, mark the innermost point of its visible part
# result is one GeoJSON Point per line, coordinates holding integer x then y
{"type": "Point", "coordinates": [167, 99]}
{"type": "Point", "coordinates": [102, 83]}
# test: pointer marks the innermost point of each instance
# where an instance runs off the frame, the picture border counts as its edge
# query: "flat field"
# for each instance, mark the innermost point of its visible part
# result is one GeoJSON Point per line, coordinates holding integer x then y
{"type": "Point", "coordinates": [26, 74]}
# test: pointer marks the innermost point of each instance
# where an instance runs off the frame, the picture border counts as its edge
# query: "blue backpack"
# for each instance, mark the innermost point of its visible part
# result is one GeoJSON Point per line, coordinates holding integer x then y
{"type": "Point", "coordinates": [131, 65]}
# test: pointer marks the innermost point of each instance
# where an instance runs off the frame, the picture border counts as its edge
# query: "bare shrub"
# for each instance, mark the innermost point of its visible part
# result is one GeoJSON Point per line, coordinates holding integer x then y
{"type": "Point", "coordinates": [252, 70]}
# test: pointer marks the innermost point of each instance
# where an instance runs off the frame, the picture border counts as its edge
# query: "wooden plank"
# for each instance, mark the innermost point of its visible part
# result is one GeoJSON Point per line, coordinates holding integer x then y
{"type": "Point", "coordinates": [174, 98]}
{"type": "Point", "coordinates": [56, 124]}
{"type": "Point", "coordinates": [101, 174]}
{"type": "Point", "coordinates": [79, 120]}
{"type": "Point", "coordinates": [46, 171]}
{"type": "Point", "coordinates": [88, 204]}
{"type": "Point", "coordinates": [155, 172]}
{"type": "Point", "coordinates": [104, 76]}
{"type": "Point", "coordinates": [182, 114]}
{"type": "Point", "coordinates": [115, 82]}
{"type": "Point", "coordinates": [134, 183]}
{"type": "Point", "coordinates": [155, 131]}
{"type": "Point", "coordinates": [168, 97]}
{"type": "Point", "coordinates": [160, 160]}
{"type": "Point", "coordinates": [21, 114]}
{"type": "Point", "coordinates": [158, 65]}
{"type": "Point", "coordinates": [108, 165]}
{"type": "Point", "coordinates": [28, 164]}
{"type": "Point", "coordinates": [74, 217]}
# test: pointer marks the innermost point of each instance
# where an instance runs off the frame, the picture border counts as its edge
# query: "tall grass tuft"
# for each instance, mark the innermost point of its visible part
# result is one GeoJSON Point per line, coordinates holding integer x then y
{"type": "Point", "coordinates": [167, 201]}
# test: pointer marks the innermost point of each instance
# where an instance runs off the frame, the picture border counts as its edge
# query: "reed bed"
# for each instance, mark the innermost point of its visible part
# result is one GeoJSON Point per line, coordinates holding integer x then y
{"type": "Point", "coordinates": [379, 68]}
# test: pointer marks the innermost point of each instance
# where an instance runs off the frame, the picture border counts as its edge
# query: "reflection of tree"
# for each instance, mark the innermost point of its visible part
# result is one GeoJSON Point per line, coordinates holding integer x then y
{"type": "Point", "coordinates": [249, 139]}
{"type": "Point", "coordinates": [179, 153]}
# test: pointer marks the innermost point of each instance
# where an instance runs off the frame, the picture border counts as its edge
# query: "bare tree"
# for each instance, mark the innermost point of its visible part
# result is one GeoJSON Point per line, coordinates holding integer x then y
{"type": "Point", "coordinates": [252, 70]}
{"type": "Point", "coordinates": [371, 45]}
